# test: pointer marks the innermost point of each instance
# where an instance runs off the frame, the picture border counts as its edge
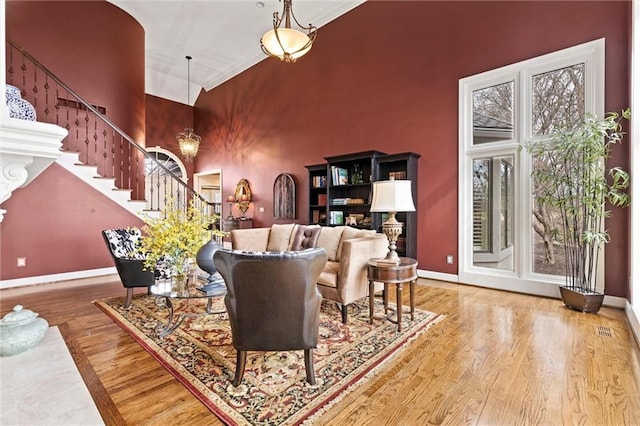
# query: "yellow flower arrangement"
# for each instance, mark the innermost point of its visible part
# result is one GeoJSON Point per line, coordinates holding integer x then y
{"type": "Point", "coordinates": [176, 236]}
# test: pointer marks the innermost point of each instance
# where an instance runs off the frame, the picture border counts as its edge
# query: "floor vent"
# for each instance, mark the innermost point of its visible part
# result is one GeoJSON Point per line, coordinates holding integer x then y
{"type": "Point", "coordinates": [604, 331]}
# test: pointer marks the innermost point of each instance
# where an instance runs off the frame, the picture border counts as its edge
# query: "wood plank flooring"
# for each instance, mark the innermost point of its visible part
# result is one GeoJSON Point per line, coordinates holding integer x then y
{"type": "Point", "coordinates": [497, 358]}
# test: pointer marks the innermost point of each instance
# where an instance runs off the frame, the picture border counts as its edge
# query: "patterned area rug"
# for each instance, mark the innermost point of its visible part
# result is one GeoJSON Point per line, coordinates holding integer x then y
{"type": "Point", "coordinates": [200, 354]}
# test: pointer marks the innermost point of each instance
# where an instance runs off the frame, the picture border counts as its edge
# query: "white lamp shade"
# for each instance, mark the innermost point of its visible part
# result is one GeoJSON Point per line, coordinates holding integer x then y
{"type": "Point", "coordinates": [292, 40]}
{"type": "Point", "coordinates": [392, 196]}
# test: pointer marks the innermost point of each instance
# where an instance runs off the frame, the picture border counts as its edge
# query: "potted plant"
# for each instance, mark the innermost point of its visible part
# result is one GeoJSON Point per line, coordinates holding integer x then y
{"type": "Point", "coordinates": [175, 237]}
{"type": "Point", "coordinates": [570, 181]}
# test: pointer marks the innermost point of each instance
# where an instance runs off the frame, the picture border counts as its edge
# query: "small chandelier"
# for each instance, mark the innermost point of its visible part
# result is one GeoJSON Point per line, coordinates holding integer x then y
{"type": "Point", "coordinates": [187, 140]}
{"type": "Point", "coordinates": [189, 143]}
{"type": "Point", "coordinates": [287, 43]}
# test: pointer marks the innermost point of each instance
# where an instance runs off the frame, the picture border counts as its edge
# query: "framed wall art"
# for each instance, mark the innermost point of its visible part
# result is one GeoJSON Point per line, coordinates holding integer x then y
{"type": "Point", "coordinates": [284, 197]}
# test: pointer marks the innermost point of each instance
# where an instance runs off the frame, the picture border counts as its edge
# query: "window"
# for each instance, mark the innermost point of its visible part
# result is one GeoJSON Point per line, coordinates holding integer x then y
{"type": "Point", "coordinates": [158, 185]}
{"type": "Point", "coordinates": [499, 111]}
{"type": "Point", "coordinates": [493, 113]}
{"type": "Point", "coordinates": [557, 100]}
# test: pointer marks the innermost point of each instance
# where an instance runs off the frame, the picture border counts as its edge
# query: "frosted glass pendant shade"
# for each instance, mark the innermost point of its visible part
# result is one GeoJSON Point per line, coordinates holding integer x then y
{"type": "Point", "coordinates": [292, 42]}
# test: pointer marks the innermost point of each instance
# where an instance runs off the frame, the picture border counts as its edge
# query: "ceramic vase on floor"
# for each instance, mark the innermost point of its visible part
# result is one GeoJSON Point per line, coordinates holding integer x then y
{"type": "Point", "coordinates": [21, 330]}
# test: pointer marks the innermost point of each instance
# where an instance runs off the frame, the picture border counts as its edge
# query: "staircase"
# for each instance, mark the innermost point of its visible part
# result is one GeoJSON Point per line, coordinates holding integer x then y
{"type": "Point", "coordinates": [105, 185]}
{"type": "Point", "coordinates": [96, 150]}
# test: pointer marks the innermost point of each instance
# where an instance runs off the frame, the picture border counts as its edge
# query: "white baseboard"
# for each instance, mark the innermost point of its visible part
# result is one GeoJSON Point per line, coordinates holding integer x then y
{"type": "Point", "coordinates": [634, 322]}
{"type": "Point", "coordinates": [48, 279]}
{"type": "Point", "coordinates": [437, 276]}
{"type": "Point", "coordinates": [614, 302]}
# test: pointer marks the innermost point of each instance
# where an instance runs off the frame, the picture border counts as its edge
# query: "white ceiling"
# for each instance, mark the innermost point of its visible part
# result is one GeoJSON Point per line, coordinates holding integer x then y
{"type": "Point", "coordinates": [222, 37]}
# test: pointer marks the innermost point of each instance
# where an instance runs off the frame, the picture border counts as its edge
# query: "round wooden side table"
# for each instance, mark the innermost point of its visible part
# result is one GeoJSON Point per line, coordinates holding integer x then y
{"type": "Point", "coordinates": [406, 271]}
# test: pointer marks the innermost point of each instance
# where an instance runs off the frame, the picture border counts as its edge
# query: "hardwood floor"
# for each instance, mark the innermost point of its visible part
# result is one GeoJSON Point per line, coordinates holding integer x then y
{"type": "Point", "coordinates": [497, 358]}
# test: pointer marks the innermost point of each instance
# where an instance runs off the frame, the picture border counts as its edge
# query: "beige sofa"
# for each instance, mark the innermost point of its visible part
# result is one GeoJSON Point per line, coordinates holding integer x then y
{"type": "Point", "coordinates": [344, 277]}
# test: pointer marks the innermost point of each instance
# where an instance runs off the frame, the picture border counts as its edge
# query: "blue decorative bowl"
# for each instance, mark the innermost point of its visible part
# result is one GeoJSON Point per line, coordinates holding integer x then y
{"type": "Point", "coordinates": [18, 107]}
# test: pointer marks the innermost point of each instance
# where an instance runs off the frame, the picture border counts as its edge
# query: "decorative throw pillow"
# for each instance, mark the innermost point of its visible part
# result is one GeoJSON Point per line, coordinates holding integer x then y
{"type": "Point", "coordinates": [279, 237]}
{"type": "Point", "coordinates": [306, 237]}
{"type": "Point", "coordinates": [350, 233]}
{"type": "Point", "coordinates": [329, 239]}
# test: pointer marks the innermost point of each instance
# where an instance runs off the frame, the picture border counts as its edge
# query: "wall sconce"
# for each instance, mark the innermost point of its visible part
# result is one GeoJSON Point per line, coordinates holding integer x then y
{"type": "Point", "coordinates": [243, 196]}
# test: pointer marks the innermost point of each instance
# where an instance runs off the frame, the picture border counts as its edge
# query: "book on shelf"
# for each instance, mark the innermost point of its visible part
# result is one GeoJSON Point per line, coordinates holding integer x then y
{"type": "Point", "coordinates": [399, 175]}
{"type": "Point", "coordinates": [343, 176]}
{"type": "Point", "coordinates": [337, 218]}
{"type": "Point", "coordinates": [319, 181]}
{"type": "Point", "coordinates": [322, 199]}
{"type": "Point", "coordinates": [339, 175]}
{"type": "Point", "coordinates": [315, 216]}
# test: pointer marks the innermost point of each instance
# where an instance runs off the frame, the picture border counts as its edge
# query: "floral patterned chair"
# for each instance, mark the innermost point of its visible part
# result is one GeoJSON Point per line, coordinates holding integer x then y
{"type": "Point", "coordinates": [129, 262]}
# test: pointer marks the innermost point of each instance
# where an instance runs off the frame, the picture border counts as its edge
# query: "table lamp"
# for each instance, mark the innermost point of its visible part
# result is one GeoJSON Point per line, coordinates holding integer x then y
{"type": "Point", "coordinates": [230, 199]}
{"type": "Point", "coordinates": [392, 196]}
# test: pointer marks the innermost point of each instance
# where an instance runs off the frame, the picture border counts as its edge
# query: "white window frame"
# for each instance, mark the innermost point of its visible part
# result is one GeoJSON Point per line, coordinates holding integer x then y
{"type": "Point", "coordinates": [174, 157]}
{"type": "Point", "coordinates": [520, 279]}
{"type": "Point", "coordinates": [183, 170]}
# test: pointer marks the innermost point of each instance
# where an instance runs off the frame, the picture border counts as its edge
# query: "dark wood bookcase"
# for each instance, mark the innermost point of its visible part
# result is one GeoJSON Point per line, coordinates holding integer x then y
{"type": "Point", "coordinates": [317, 193]}
{"type": "Point", "coordinates": [349, 188]}
{"type": "Point", "coordinates": [345, 196]}
{"type": "Point", "coordinates": [403, 166]}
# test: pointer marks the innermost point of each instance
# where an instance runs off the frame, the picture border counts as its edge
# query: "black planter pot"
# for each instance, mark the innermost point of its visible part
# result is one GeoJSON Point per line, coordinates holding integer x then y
{"type": "Point", "coordinates": [579, 301]}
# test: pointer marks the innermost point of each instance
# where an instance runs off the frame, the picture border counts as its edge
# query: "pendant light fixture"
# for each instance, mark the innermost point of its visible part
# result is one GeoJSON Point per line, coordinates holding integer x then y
{"type": "Point", "coordinates": [187, 140]}
{"type": "Point", "coordinates": [286, 43]}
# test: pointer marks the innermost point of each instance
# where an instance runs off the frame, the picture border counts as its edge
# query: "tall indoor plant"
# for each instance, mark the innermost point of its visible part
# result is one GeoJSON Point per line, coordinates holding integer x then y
{"type": "Point", "coordinates": [175, 237]}
{"type": "Point", "coordinates": [569, 178]}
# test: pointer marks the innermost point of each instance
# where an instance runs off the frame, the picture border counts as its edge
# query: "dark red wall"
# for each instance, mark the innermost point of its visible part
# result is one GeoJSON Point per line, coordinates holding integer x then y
{"type": "Point", "coordinates": [385, 76]}
{"type": "Point", "coordinates": [55, 222]}
{"type": "Point", "coordinates": [165, 119]}
{"type": "Point", "coordinates": [98, 50]}
{"type": "Point", "coordinates": [94, 47]}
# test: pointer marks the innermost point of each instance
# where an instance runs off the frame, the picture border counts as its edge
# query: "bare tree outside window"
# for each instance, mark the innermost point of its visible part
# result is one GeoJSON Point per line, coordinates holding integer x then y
{"type": "Point", "coordinates": [558, 106]}
{"type": "Point", "coordinates": [495, 101]}
{"type": "Point", "coordinates": [558, 100]}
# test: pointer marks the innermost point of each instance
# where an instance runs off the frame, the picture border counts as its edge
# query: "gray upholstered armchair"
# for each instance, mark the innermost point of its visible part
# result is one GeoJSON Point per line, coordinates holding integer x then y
{"type": "Point", "coordinates": [273, 302]}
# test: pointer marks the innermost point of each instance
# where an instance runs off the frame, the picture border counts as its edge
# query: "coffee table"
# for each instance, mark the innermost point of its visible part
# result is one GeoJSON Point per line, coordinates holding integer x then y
{"type": "Point", "coordinates": [166, 290]}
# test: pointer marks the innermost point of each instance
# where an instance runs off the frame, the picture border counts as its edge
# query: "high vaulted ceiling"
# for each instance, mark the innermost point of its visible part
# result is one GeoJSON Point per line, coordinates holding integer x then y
{"type": "Point", "coordinates": [222, 37]}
